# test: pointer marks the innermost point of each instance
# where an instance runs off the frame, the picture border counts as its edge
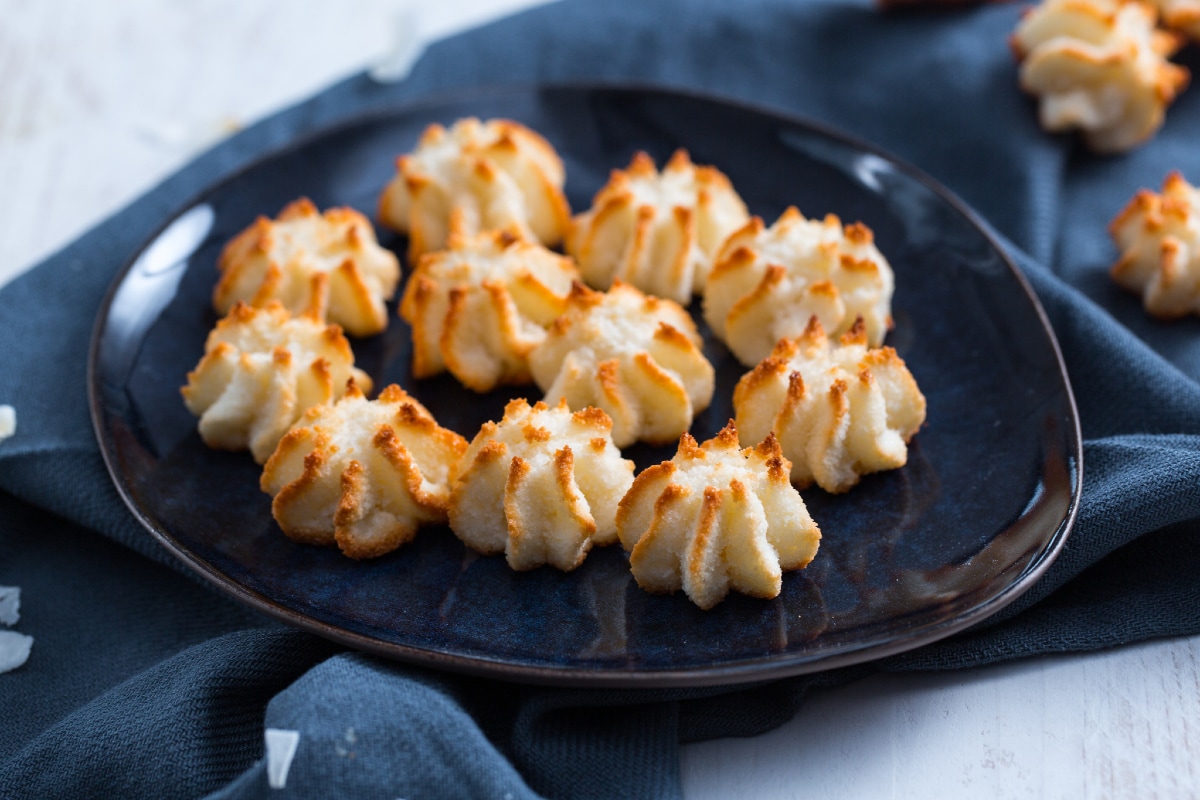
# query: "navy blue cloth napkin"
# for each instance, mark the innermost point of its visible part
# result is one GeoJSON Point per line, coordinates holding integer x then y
{"type": "Point", "coordinates": [143, 683]}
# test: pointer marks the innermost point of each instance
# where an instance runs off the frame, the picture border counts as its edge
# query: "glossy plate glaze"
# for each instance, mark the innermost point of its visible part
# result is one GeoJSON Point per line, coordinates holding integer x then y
{"type": "Point", "coordinates": [907, 557]}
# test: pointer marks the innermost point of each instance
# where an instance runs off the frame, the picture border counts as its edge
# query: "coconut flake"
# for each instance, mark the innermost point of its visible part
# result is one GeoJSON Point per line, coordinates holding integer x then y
{"type": "Point", "coordinates": [10, 604]}
{"type": "Point", "coordinates": [408, 43]}
{"type": "Point", "coordinates": [14, 650]}
{"type": "Point", "coordinates": [281, 749]}
{"type": "Point", "coordinates": [8, 421]}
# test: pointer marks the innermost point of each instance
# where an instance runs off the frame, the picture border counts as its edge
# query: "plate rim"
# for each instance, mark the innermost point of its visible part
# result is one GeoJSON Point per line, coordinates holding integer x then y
{"type": "Point", "coordinates": [769, 667]}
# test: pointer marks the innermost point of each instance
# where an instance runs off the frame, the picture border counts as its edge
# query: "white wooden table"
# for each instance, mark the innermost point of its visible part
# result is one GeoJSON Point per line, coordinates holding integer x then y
{"type": "Point", "coordinates": [99, 100]}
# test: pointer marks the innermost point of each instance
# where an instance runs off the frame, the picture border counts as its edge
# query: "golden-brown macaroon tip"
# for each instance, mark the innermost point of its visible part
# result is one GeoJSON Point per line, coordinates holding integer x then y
{"type": "Point", "coordinates": [680, 160]}
{"type": "Point", "coordinates": [857, 333]}
{"type": "Point", "coordinates": [688, 447]}
{"type": "Point", "coordinates": [727, 437]}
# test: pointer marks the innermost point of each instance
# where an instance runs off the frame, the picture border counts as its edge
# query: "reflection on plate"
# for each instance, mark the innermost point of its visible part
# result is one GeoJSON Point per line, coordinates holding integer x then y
{"type": "Point", "coordinates": [907, 557]}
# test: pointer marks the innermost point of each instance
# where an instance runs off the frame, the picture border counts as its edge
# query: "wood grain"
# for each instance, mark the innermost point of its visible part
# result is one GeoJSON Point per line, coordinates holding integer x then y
{"type": "Point", "coordinates": [1119, 724]}
{"type": "Point", "coordinates": [101, 100]}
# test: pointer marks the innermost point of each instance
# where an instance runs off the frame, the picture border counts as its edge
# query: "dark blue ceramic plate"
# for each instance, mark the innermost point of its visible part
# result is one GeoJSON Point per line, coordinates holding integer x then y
{"type": "Point", "coordinates": [907, 557]}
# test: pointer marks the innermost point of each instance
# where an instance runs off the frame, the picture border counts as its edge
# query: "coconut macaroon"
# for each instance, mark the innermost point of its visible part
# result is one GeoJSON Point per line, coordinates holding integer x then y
{"type": "Point", "coordinates": [308, 260]}
{"type": "Point", "coordinates": [714, 518]}
{"type": "Point", "coordinates": [362, 474]}
{"type": "Point", "coordinates": [635, 356]}
{"type": "Point", "coordinates": [262, 369]}
{"type": "Point", "coordinates": [768, 282]}
{"type": "Point", "coordinates": [496, 174]}
{"type": "Point", "coordinates": [1159, 239]}
{"type": "Point", "coordinates": [839, 410]}
{"type": "Point", "coordinates": [540, 486]}
{"type": "Point", "coordinates": [1099, 66]}
{"type": "Point", "coordinates": [657, 231]}
{"type": "Point", "coordinates": [479, 307]}
{"type": "Point", "coordinates": [1182, 16]}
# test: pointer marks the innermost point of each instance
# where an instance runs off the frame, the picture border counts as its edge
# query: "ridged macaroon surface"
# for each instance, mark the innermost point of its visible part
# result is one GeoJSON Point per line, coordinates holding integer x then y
{"type": "Point", "coordinates": [262, 369]}
{"type": "Point", "coordinates": [636, 356]}
{"type": "Point", "coordinates": [490, 175]}
{"type": "Point", "coordinates": [716, 517]}
{"type": "Point", "coordinates": [1159, 239]}
{"type": "Point", "coordinates": [768, 282]}
{"type": "Point", "coordinates": [307, 260]}
{"type": "Point", "coordinates": [839, 409]}
{"type": "Point", "coordinates": [479, 307]}
{"type": "Point", "coordinates": [1182, 16]}
{"type": "Point", "coordinates": [657, 230]}
{"type": "Point", "coordinates": [362, 474]}
{"type": "Point", "coordinates": [1100, 67]}
{"type": "Point", "coordinates": [541, 486]}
